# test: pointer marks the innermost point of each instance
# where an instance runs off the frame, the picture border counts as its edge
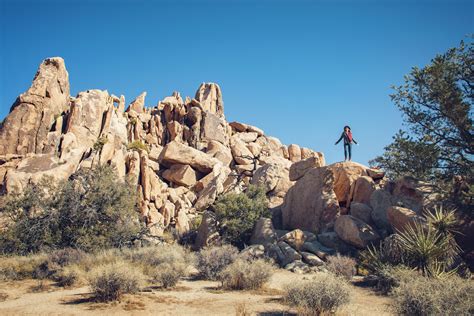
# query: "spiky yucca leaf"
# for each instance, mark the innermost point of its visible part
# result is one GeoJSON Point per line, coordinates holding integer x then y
{"type": "Point", "coordinates": [443, 220]}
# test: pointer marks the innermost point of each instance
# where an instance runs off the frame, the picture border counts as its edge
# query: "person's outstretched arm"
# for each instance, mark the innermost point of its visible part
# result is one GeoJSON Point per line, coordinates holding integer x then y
{"type": "Point", "coordinates": [342, 135]}
{"type": "Point", "coordinates": [355, 142]}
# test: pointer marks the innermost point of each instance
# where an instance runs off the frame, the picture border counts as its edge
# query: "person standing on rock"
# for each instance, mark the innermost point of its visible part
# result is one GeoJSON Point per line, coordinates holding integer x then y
{"type": "Point", "coordinates": [348, 140]}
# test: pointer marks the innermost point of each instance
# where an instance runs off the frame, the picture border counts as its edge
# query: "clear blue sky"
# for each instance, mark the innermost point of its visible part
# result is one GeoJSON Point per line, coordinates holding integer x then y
{"type": "Point", "coordinates": [300, 70]}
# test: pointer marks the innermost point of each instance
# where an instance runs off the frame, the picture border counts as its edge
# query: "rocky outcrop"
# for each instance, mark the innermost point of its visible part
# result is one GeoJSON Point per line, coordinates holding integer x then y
{"type": "Point", "coordinates": [35, 120]}
{"type": "Point", "coordinates": [182, 155]}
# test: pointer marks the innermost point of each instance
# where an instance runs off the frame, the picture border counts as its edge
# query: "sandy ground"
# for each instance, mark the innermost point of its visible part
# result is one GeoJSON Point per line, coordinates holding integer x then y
{"type": "Point", "coordinates": [190, 297]}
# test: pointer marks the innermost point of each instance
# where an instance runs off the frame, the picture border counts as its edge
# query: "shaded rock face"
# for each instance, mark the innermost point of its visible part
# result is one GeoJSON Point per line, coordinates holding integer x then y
{"type": "Point", "coordinates": [32, 116]}
{"type": "Point", "coordinates": [311, 204]}
{"type": "Point", "coordinates": [355, 232]}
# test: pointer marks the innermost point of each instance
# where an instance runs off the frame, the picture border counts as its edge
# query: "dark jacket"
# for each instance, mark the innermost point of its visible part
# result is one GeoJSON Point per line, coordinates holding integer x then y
{"type": "Point", "coordinates": [346, 139]}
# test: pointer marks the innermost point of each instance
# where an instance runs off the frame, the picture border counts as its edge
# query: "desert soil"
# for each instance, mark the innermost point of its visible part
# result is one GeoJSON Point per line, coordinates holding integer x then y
{"type": "Point", "coordinates": [190, 297]}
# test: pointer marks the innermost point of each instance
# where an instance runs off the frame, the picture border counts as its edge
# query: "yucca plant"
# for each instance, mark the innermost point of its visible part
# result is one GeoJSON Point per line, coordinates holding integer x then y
{"type": "Point", "coordinates": [444, 221]}
{"type": "Point", "coordinates": [425, 248]}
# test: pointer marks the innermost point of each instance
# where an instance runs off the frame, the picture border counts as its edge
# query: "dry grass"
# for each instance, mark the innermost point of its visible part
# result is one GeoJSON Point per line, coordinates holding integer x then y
{"type": "Point", "coordinates": [241, 309]}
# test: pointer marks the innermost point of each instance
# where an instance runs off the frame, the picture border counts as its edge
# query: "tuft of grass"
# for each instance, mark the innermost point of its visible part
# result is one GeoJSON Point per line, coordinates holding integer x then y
{"type": "Point", "coordinates": [323, 295]}
{"type": "Point", "coordinates": [246, 275]}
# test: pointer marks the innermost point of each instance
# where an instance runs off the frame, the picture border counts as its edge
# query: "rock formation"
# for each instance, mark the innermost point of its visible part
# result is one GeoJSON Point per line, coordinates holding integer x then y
{"type": "Point", "coordinates": [182, 155]}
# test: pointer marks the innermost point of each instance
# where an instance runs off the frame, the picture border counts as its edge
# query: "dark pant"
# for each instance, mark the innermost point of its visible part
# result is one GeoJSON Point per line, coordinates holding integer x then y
{"type": "Point", "coordinates": [347, 150]}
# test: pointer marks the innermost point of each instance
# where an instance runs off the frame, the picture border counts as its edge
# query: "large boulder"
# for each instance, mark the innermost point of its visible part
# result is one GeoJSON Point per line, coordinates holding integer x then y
{"type": "Point", "coordinates": [354, 231]}
{"type": "Point", "coordinates": [298, 169]}
{"type": "Point", "coordinates": [263, 232]}
{"type": "Point", "coordinates": [207, 233]}
{"type": "Point", "coordinates": [268, 176]}
{"type": "Point", "coordinates": [362, 190]}
{"type": "Point", "coordinates": [209, 96]}
{"type": "Point", "coordinates": [213, 128]}
{"type": "Point", "coordinates": [213, 188]}
{"type": "Point", "coordinates": [311, 203]}
{"type": "Point", "coordinates": [25, 129]}
{"type": "Point", "coordinates": [295, 238]}
{"type": "Point", "coordinates": [380, 201]}
{"type": "Point", "coordinates": [361, 211]}
{"type": "Point", "coordinates": [400, 218]}
{"type": "Point", "coordinates": [177, 153]}
{"type": "Point", "coordinates": [345, 174]}
{"type": "Point", "coordinates": [181, 175]}
{"type": "Point", "coordinates": [83, 120]}
{"type": "Point", "coordinates": [138, 105]}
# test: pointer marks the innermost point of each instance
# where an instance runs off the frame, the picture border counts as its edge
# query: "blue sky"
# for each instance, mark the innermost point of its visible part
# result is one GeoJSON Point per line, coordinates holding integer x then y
{"type": "Point", "coordinates": [298, 69]}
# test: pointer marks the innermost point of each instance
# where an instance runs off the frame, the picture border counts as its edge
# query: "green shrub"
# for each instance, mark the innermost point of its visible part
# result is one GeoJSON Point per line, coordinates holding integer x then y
{"type": "Point", "coordinates": [211, 261]}
{"type": "Point", "coordinates": [341, 266]}
{"type": "Point", "coordinates": [99, 144]}
{"type": "Point", "coordinates": [237, 214]}
{"type": "Point", "coordinates": [92, 210]}
{"type": "Point", "coordinates": [109, 282]}
{"type": "Point", "coordinates": [137, 145]}
{"type": "Point", "coordinates": [322, 295]}
{"type": "Point", "coordinates": [246, 275]}
{"type": "Point", "coordinates": [428, 296]}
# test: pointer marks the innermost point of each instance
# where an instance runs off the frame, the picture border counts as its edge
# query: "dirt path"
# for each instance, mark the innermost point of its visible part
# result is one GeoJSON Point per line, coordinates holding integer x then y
{"type": "Point", "coordinates": [189, 298]}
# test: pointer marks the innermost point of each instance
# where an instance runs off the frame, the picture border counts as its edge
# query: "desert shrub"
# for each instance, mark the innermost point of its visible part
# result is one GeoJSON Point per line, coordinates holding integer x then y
{"type": "Point", "coordinates": [137, 146]}
{"type": "Point", "coordinates": [69, 276]}
{"type": "Point", "coordinates": [20, 267]}
{"type": "Point", "coordinates": [92, 210]}
{"type": "Point", "coordinates": [109, 282]}
{"type": "Point", "coordinates": [211, 261]}
{"type": "Point", "coordinates": [430, 296]}
{"type": "Point", "coordinates": [246, 275]}
{"type": "Point", "coordinates": [168, 274]}
{"type": "Point", "coordinates": [341, 266]}
{"type": "Point", "coordinates": [237, 214]}
{"type": "Point", "coordinates": [322, 295]}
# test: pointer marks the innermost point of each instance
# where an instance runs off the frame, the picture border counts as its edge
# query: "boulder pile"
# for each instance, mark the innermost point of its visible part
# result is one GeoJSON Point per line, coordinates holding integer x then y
{"type": "Point", "coordinates": [182, 154]}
